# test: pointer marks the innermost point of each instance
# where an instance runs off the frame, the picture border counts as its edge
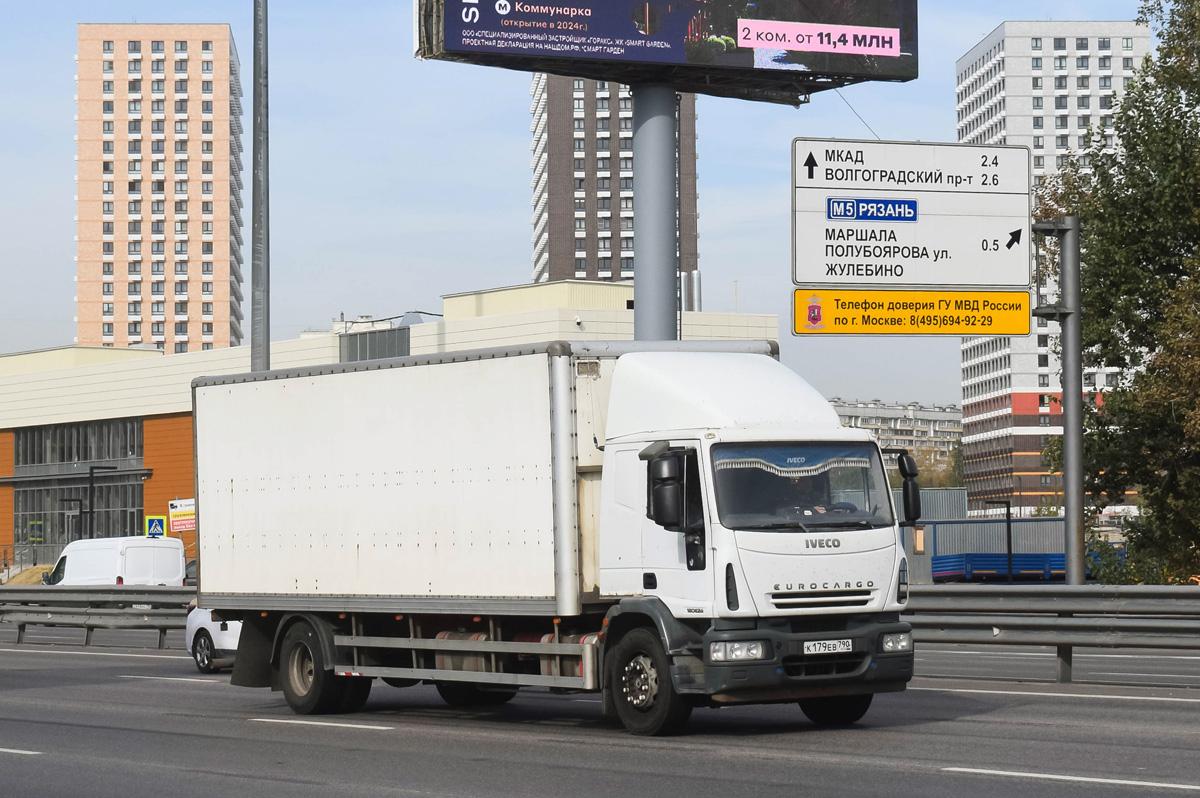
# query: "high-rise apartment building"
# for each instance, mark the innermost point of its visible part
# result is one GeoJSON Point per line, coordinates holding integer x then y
{"type": "Point", "coordinates": [1050, 86]}
{"type": "Point", "coordinates": [583, 194]}
{"type": "Point", "coordinates": [159, 165]}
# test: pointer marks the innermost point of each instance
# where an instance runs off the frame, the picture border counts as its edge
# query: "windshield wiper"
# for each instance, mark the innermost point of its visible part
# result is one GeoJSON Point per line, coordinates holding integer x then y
{"type": "Point", "coordinates": [780, 525]}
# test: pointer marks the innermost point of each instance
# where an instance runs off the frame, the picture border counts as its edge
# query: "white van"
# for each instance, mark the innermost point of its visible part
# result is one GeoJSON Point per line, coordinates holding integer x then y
{"type": "Point", "coordinates": [120, 561]}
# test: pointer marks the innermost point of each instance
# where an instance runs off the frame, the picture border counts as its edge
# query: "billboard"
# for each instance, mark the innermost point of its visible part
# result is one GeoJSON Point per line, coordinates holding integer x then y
{"type": "Point", "coordinates": [772, 50]}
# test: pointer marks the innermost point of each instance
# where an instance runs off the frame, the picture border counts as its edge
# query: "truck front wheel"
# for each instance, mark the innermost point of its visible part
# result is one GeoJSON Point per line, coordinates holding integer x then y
{"type": "Point", "coordinates": [836, 710]}
{"type": "Point", "coordinates": [641, 688]}
{"type": "Point", "coordinates": [309, 687]}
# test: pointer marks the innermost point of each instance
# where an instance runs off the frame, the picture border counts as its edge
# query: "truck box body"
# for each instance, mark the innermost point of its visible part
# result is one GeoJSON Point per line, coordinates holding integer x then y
{"type": "Point", "coordinates": [435, 518]}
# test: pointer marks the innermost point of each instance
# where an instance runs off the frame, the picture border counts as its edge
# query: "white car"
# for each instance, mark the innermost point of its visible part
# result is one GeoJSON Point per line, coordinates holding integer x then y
{"type": "Point", "coordinates": [213, 644]}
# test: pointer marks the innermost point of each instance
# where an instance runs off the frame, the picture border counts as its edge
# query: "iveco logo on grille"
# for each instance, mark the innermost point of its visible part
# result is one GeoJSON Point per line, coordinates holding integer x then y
{"type": "Point", "coordinates": [823, 543]}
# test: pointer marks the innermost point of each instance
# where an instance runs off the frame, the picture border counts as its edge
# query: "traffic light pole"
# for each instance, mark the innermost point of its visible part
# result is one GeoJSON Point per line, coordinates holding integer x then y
{"type": "Point", "coordinates": [1066, 312]}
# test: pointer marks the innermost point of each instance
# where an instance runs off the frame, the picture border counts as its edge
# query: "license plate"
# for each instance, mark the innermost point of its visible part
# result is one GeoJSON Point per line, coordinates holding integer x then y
{"type": "Point", "coordinates": [828, 647]}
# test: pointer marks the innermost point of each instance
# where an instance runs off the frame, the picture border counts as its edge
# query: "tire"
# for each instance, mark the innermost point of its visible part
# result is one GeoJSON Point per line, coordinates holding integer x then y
{"type": "Point", "coordinates": [309, 687]}
{"type": "Point", "coordinates": [640, 681]}
{"type": "Point", "coordinates": [354, 693]}
{"type": "Point", "coordinates": [464, 694]}
{"type": "Point", "coordinates": [836, 710]}
{"type": "Point", "coordinates": [203, 652]}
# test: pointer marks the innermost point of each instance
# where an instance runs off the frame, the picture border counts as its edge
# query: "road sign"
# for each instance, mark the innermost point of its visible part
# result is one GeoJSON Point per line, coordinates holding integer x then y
{"type": "Point", "coordinates": [833, 312]}
{"type": "Point", "coordinates": [901, 215]}
{"type": "Point", "coordinates": [182, 515]}
{"type": "Point", "coordinates": [156, 525]}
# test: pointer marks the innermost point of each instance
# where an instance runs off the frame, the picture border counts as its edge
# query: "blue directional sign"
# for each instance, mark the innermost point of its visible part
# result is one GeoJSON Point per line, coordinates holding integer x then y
{"type": "Point", "coordinates": [870, 210]}
{"type": "Point", "coordinates": [156, 525]}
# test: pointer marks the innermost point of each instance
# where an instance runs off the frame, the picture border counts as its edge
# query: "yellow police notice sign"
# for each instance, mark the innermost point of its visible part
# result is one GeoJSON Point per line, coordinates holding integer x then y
{"type": "Point", "coordinates": [819, 312]}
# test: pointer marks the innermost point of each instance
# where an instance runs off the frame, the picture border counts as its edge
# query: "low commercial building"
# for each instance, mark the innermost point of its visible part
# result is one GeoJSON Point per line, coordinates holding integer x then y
{"type": "Point", "coordinates": [93, 440]}
{"type": "Point", "coordinates": [929, 430]}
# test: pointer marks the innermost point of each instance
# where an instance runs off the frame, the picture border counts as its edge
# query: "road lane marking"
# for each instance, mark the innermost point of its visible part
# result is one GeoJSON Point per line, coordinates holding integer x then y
{"type": "Point", "coordinates": [1059, 695]}
{"type": "Point", "coordinates": [1084, 779]}
{"type": "Point", "coordinates": [90, 653]}
{"type": "Point", "coordinates": [1078, 655]}
{"type": "Point", "coordinates": [173, 679]}
{"type": "Point", "coordinates": [20, 752]}
{"type": "Point", "coordinates": [1148, 675]}
{"type": "Point", "coordinates": [321, 723]}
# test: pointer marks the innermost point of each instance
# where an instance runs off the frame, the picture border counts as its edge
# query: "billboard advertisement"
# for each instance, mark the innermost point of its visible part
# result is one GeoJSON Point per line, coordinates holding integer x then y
{"type": "Point", "coordinates": [754, 50]}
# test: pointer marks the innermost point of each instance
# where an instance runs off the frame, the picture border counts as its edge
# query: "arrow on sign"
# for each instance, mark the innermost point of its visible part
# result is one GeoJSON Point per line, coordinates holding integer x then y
{"type": "Point", "coordinates": [811, 163]}
{"type": "Point", "coordinates": [1014, 238]}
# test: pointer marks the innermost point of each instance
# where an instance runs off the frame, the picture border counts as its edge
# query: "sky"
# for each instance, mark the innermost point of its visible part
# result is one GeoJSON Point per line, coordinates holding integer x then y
{"type": "Point", "coordinates": [396, 181]}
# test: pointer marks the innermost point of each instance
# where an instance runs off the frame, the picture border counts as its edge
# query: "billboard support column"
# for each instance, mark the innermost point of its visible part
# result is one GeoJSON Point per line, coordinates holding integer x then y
{"type": "Point", "coordinates": [654, 222]}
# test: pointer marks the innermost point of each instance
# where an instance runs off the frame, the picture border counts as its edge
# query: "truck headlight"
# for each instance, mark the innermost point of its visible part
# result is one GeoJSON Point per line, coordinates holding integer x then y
{"type": "Point", "coordinates": [896, 643]}
{"type": "Point", "coordinates": [738, 651]}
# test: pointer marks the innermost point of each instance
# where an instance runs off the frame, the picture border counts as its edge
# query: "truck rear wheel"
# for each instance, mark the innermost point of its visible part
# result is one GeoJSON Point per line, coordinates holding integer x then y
{"type": "Point", "coordinates": [839, 710]}
{"type": "Point", "coordinates": [309, 687]}
{"type": "Point", "coordinates": [640, 681]}
{"type": "Point", "coordinates": [464, 694]}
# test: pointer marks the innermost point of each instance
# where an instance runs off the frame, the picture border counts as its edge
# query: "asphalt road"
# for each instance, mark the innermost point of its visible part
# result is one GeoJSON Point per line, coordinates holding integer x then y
{"type": "Point", "coordinates": [115, 721]}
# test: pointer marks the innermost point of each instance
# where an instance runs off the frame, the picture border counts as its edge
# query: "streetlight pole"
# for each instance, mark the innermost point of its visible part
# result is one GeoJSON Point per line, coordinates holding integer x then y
{"type": "Point", "coordinates": [92, 496]}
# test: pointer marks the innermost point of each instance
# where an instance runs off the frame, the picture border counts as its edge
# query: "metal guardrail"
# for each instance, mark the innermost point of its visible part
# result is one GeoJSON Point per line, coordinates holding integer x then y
{"type": "Point", "coordinates": [156, 608]}
{"type": "Point", "coordinates": [1063, 616]}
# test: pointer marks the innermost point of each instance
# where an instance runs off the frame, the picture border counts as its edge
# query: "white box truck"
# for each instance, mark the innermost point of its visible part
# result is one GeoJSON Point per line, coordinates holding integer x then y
{"type": "Point", "coordinates": [673, 525]}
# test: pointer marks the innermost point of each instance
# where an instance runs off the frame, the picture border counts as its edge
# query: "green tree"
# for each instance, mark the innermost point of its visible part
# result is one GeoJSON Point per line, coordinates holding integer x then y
{"type": "Point", "coordinates": [1140, 210]}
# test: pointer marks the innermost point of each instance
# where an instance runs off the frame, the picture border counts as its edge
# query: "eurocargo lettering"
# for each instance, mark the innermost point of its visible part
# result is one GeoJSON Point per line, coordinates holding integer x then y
{"type": "Point", "coordinates": [672, 526]}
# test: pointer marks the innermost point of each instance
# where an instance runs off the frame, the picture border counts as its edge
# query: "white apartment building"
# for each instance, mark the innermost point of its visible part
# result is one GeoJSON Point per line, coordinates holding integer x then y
{"type": "Point", "coordinates": [931, 430]}
{"type": "Point", "coordinates": [1048, 86]}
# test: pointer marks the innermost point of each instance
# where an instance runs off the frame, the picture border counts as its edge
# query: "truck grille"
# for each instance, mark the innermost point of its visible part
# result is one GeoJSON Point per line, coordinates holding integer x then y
{"type": "Point", "coordinates": [822, 599]}
{"type": "Point", "coordinates": [798, 667]}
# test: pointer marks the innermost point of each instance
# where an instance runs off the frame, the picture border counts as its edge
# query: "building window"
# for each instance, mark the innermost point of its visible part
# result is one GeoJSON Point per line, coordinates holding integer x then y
{"type": "Point", "coordinates": [1039, 162]}
{"type": "Point", "coordinates": [1060, 43]}
{"type": "Point", "coordinates": [1037, 84]}
{"type": "Point", "coordinates": [107, 67]}
{"type": "Point", "coordinates": [1060, 83]}
{"type": "Point", "coordinates": [1084, 122]}
{"type": "Point", "coordinates": [1127, 43]}
{"type": "Point", "coordinates": [1037, 123]}
{"type": "Point", "coordinates": [157, 67]}
{"type": "Point", "coordinates": [1127, 63]}
{"type": "Point", "coordinates": [1105, 62]}
{"type": "Point", "coordinates": [206, 47]}
{"type": "Point", "coordinates": [181, 347]}
{"type": "Point", "coordinates": [1043, 361]}
{"type": "Point", "coordinates": [1081, 62]}
{"type": "Point", "coordinates": [1039, 142]}
{"type": "Point", "coordinates": [626, 264]}
{"type": "Point", "coordinates": [135, 67]}
{"type": "Point", "coordinates": [1037, 63]}
{"type": "Point", "coordinates": [206, 67]}
{"type": "Point", "coordinates": [1035, 43]}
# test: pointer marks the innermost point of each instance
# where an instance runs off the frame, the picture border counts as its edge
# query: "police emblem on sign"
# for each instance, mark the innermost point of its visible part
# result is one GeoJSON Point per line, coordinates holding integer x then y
{"type": "Point", "coordinates": [814, 313]}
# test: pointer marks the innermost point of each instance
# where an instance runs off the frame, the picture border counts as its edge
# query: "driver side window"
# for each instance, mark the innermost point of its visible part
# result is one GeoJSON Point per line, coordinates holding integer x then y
{"type": "Point", "coordinates": [59, 572]}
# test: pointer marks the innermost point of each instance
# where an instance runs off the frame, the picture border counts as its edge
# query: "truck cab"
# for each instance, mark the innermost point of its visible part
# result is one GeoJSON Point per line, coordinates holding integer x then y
{"type": "Point", "coordinates": [761, 529]}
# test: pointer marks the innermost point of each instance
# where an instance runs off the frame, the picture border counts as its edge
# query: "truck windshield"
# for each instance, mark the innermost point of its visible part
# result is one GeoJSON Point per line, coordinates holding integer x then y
{"type": "Point", "coordinates": [801, 486]}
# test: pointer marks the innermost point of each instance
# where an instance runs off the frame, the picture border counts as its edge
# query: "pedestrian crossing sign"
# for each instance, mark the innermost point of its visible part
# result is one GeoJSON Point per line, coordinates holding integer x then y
{"type": "Point", "coordinates": [156, 525]}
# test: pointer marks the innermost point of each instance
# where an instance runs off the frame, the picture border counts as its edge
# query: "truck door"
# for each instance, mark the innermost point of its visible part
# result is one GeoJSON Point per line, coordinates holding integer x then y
{"type": "Point", "coordinates": [675, 560]}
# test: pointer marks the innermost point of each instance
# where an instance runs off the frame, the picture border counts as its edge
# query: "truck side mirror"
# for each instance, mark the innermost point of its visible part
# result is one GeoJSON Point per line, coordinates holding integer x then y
{"type": "Point", "coordinates": [912, 501]}
{"type": "Point", "coordinates": [665, 494]}
{"type": "Point", "coordinates": [46, 578]}
{"type": "Point", "coordinates": [908, 466]}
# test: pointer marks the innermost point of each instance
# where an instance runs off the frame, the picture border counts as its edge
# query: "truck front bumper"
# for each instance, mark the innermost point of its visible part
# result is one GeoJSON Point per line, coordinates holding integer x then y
{"type": "Point", "coordinates": [788, 674]}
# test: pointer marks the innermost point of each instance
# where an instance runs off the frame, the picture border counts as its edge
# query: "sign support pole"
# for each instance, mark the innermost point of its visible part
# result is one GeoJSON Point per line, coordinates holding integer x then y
{"type": "Point", "coordinates": [654, 223]}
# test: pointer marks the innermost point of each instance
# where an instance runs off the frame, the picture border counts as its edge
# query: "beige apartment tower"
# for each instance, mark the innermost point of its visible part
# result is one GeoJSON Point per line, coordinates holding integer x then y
{"type": "Point", "coordinates": [158, 193]}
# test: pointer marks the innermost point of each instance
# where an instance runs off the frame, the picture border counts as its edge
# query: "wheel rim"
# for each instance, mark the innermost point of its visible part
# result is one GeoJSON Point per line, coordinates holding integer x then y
{"type": "Point", "coordinates": [639, 682]}
{"type": "Point", "coordinates": [203, 652]}
{"type": "Point", "coordinates": [300, 669]}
